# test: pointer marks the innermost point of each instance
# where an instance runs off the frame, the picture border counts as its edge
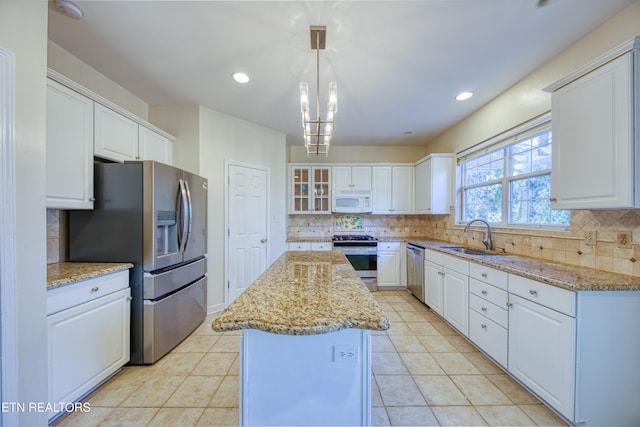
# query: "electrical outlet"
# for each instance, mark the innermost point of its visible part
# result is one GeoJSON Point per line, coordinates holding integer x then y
{"type": "Point", "coordinates": [590, 237]}
{"type": "Point", "coordinates": [345, 353]}
{"type": "Point", "coordinates": [623, 240]}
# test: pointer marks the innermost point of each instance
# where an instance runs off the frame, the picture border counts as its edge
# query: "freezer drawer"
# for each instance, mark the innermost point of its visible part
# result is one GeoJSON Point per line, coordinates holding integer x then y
{"type": "Point", "coordinates": [158, 285]}
{"type": "Point", "coordinates": [170, 320]}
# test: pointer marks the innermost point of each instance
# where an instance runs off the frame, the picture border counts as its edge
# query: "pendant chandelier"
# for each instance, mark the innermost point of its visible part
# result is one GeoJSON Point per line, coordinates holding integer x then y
{"type": "Point", "coordinates": [318, 132]}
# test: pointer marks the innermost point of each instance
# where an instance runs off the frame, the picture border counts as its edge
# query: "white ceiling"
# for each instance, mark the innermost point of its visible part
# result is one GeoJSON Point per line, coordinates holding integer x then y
{"type": "Point", "coordinates": [398, 64]}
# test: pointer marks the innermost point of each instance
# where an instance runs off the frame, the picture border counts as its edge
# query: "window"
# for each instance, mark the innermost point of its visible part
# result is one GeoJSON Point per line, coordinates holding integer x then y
{"type": "Point", "coordinates": [510, 183]}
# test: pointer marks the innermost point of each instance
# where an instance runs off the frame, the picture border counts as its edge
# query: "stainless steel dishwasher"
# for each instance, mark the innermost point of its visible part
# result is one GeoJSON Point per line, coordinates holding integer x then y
{"type": "Point", "coordinates": [415, 271]}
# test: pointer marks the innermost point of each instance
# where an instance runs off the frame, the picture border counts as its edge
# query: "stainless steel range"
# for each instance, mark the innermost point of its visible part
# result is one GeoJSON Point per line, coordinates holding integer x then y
{"type": "Point", "coordinates": [362, 253]}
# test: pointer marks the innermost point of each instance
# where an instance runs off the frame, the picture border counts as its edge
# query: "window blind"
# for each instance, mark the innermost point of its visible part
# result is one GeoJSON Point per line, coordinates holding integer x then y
{"type": "Point", "coordinates": [522, 131]}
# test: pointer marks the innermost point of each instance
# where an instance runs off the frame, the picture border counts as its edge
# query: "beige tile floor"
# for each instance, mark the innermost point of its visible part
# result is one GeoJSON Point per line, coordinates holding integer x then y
{"type": "Point", "coordinates": [424, 374]}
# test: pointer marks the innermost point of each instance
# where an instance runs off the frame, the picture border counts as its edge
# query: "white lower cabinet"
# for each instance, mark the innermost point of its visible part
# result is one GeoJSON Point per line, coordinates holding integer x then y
{"type": "Point", "coordinates": [488, 315]}
{"type": "Point", "coordinates": [299, 246]}
{"type": "Point", "coordinates": [321, 246]}
{"type": "Point", "coordinates": [578, 351]}
{"type": "Point", "coordinates": [310, 246]}
{"type": "Point", "coordinates": [88, 340]}
{"type": "Point", "coordinates": [542, 352]}
{"type": "Point", "coordinates": [433, 280]}
{"type": "Point", "coordinates": [455, 295]}
{"type": "Point", "coordinates": [390, 264]}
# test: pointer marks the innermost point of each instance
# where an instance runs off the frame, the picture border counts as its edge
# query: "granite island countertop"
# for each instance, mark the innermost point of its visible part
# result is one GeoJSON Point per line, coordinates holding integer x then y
{"type": "Point", "coordinates": [305, 293]}
{"type": "Point", "coordinates": [66, 273]}
{"type": "Point", "coordinates": [561, 275]}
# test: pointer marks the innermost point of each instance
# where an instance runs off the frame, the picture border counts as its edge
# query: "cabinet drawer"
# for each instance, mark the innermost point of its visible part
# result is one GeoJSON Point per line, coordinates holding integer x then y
{"type": "Point", "coordinates": [555, 298]}
{"type": "Point", "coordinates": [489, 275]}
{"type": "Point", "coordinates": [389, 246]}
{"type": "Point", "coordinates": [456, 264]}
{"type": "Point", "coordinates": [489, 336]}
{"type": "Point", "coordinates": [300, 246]}
{"type": "Point", "coordinates": [433, 256]}
{"type": "Point", "coordinates": [494, 312]}
{"type": "Point", "coordinates": [488, 292]}
{"type": "Point", "coordinates": [321, 246]}
{"type": "Point", "coordinates": [68, 296]}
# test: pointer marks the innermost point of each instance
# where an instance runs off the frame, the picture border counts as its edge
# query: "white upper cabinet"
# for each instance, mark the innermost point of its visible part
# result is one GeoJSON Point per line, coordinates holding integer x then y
{"type": "Point", "coordinates": [596, 127]}
{"type": "Point", "coordinates": [153, 146]}
{"type": "Point", "coordinates": [109, 131]}
{"type": "Point", "coordinates": [119, 138]}
{"type": "Point", "coordinates": [392, 190]}
{"type": "Point", "coordinates": [69, 148]}
{"type": "Point", "coordinates": [433, 184]}
{"type": "Point", "coordinates": [309, 189]}
{"type": "Point", "coordinates": [351, 178]}
{"type": "Point", "coordinates": [116, 136]}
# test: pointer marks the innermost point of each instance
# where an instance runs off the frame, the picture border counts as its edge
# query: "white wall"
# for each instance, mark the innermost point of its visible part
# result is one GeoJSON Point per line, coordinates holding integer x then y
{"type": "Point", "coordinates": [23, 31]}
{"type": "Point", "coordinates": [224, 138]}
{"type": "Point", "coordinates": [70, 66]}
{"type": "Point", "coordinates": [526, 100]}
{"type": "Point", "coordinates": [183, 122]}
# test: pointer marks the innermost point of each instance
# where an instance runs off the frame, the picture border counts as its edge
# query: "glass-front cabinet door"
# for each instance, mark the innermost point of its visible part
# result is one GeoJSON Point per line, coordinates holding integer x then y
{"type": "Point", "coordinates": [301, 179]}
{"type": "Point", "coordinates": [321, 190]}
{"type": "Point", "coordinates": [310, 189]}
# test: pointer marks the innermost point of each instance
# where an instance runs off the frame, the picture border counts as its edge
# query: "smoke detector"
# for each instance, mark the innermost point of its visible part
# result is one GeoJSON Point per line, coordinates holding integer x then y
{"type": "Point", "coordinates": [69, 8]}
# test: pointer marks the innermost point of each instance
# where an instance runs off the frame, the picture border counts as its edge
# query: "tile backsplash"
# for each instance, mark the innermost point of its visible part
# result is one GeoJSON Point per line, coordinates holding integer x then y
{"type": "Point", "coordinates": [56, 235]}
{"type": "Point", "coordinates": [564, 246]}
{"type": "Point", "coordinates": [567, 247]}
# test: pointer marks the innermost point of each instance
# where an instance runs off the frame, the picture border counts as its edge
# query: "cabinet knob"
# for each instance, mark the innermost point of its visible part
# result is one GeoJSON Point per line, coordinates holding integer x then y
{"type": "Point", "coordinates": [484, 275]}
{"type": "Point", "coordinates": [509, 304]}
{"type": "Point", "coordinates": [130, 298]}
{"type": "Point", "coordinates": [483, 309]}
{"type": "Point", "coordinates": [92, 199]}
{"type": "Point", "coordinates": [95, 289]}
{"type": "Point", "coordinates": [533, 292]}
{"type": "Point", "coordinates": [263, 240]}
{"type": "Point", "coordinates": [483, 326]}
{"type": "Point", "coordinates": [553, 199]}
{"type": "Point", "coordinates": [483, 292]}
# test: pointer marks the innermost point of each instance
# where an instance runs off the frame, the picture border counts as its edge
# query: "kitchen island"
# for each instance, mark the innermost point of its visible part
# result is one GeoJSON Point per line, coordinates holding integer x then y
{"type": "Point", "coordinates": [305, 357]}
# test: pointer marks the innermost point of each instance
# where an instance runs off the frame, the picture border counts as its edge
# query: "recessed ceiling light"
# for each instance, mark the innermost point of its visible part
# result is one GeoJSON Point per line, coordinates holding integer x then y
{"type": "Point", "coordinates": [240, 77]}
{"type": "Point", "coordinates": [543, 3]}
{"type": "Point", "coordinates": [464, 95]}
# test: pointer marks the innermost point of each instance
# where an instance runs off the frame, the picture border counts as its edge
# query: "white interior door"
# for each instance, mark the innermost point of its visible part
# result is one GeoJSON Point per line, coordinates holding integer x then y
{"type": "Point", "coordinates": [247, 227]}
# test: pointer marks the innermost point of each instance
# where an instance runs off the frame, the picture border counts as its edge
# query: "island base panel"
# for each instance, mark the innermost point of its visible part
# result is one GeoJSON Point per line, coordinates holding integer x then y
{"type": "Point", "coordinates": [305, 379]}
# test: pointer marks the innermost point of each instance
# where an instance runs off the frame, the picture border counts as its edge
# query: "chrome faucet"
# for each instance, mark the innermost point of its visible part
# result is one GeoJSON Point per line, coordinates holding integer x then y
{"type": "Point", "coordinates": [486, 237]}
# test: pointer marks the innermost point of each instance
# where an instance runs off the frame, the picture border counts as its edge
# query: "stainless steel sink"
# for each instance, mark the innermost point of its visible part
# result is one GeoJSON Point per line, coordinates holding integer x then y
{"type": "Point", "coordinates": [469, 251]}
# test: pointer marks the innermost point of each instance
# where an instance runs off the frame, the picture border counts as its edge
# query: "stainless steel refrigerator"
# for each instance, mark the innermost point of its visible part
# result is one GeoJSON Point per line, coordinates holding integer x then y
{"type": "Point", "coordinates": [154, 216]}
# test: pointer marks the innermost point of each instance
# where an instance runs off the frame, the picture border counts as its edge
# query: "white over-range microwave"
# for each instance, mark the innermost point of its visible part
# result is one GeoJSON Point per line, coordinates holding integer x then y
{"type": "Point", "coordinates": [351, 201]}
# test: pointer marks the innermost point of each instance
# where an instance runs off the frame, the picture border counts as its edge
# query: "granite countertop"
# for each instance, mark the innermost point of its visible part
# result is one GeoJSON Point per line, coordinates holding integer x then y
{"type": "Point", "coordinates": [562, 275]}
{"type": "Point", "coordinates": [65, 273]}
{"type": "Point", "coordinates": [305, 293]}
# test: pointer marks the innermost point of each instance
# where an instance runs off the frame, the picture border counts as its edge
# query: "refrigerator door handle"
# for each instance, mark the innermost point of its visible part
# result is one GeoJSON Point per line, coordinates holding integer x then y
{"type": "Point", "coordinates": [183, 203]}
{"type": "Point", "coordinates": [189, 214]}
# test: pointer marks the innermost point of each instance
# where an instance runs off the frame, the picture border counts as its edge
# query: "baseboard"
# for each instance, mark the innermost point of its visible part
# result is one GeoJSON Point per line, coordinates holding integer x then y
{"type": "Point", "coordinates": [215, 308]}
